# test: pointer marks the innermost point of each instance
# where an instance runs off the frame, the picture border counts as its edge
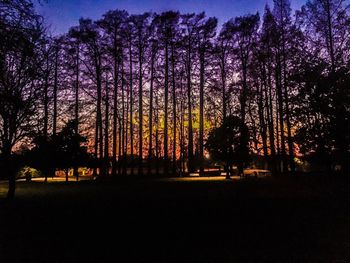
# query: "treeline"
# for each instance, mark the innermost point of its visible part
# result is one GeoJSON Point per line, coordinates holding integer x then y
{"type": "Point", "coordinates": [152, 86]}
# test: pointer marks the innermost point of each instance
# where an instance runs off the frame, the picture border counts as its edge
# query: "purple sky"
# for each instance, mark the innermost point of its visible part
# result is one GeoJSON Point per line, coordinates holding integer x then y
{"type": "Point", "coordinates": [62, 14]}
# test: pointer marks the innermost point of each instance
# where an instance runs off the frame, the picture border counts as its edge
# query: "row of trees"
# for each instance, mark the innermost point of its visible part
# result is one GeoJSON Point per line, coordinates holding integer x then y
{"type": "Point", "coordinates": [152, 86]}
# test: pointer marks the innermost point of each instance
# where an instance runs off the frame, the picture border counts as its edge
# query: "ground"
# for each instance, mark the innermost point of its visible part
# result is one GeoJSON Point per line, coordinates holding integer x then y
{"type": "Point", "coordinates": [301, 219]}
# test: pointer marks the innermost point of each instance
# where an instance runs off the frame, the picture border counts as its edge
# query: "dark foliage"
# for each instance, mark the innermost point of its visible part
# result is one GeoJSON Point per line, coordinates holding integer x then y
{"type": "Point", "coordinates": [229, 144]}
{"type": "Point", "coordinates": [61, 151]}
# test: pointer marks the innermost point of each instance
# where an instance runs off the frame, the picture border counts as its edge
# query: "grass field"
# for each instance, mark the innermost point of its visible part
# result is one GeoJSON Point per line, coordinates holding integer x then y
{"type": "Point", "coordinates": [302, 219]}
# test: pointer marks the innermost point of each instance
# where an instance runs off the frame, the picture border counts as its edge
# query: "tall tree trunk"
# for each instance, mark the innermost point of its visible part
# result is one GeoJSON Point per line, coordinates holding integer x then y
{"type": "Point", "coordinates": [157, 136]}
{"type": "Point", "coordinates": [124, 119]}
{"type": "Point", "coordinates": [96, 135]}
{"type": "Point", "coordinates": [280, 117]}
{"type": "Point", "coordinates": [106, 152]}
{"type": "Point", "coordinates": [54, 120]}
{"type": "Point", "coordinates": [182, 131]}
{"type": "Point", "coordinates": [126, 131]}
{"type": "Point", "coordinates": [99, 113]}
{"type": "Point", "coordinates": [243, 102]}
{"type": "Point", "coordinates": [189, 103]}
{"type": "Point", "coordinates": [140, 109]}
{"type": "Point", "coordinates": [262, 107]}
{"type": "Point", "coordinates": [76, 106]}
{"type": "Point", "coordinates": [269, 108]}
{"type": "Point", "coordinates": [76, 110]}
{"type": "Point", "coordinates": [46, 99]}
{"type": "Point", "coordinates": [289, 134]}
{"type": "Point", "coordinates": [131, 111]}
{"type": "Point", "coordinates": [46, 106]}
{"type": "Point", "coordinates": [278, 146]}
{"type": "Point", "coordinates": [201, 112]}
{"type": "Point", "coordinates": [174, 107]}
{"type": "Point", "coordinates": [120, 138]}
{"type": "Point", "coordinates": [262, 119]}
{"type": "Point", "coordinates": [224, 102]}
{"type": "Point", "coordinates": [150, 146]}
{"type": "Point", "coordinates": [96, 144]}
{"type": "Point", "coordinates": [166, 83]}
{"type": "Point", "coordinates": [115, 113]}
{"type": "Point", "coordinates": [286, 101]}
{"type": "Point", "coordinates": [223, 83]}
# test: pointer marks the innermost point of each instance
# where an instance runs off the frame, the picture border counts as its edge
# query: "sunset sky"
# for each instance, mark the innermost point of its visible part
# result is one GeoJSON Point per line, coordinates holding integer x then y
{"type": "Point", "coordinates": [62, 14]}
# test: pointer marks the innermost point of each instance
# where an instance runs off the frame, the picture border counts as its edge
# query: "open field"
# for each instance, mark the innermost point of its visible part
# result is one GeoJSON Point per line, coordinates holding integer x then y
{"type": "Point", "coordinates": [178, 220]}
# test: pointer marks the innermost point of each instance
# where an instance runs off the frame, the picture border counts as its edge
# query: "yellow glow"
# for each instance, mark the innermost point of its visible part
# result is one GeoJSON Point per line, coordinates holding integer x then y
{"type": "Point", "coordinates": [200, 179]}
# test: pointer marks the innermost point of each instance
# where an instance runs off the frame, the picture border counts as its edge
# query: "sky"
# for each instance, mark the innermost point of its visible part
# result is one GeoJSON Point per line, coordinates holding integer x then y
{"type": "Point", "coordinates": [60, 15]}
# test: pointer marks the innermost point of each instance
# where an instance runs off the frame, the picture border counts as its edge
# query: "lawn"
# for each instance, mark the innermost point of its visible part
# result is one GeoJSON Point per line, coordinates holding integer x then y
{"type": "Point", "coordinates": [302, 219]}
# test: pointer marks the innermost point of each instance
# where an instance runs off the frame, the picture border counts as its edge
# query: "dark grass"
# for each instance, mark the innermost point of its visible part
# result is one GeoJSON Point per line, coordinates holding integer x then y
{"type": "Point", "coordinates": [302, 219]}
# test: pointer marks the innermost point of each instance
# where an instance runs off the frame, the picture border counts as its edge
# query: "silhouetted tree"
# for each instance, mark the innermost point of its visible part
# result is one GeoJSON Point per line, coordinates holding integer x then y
{"type": "Point", "coordinates": [166, 23]}
{"type": "Point", "coordinates": [113, 23]}
{"type": "Point", "coordinates": [229, 143]}
{"type": "Point", "coordinates": [63, 150]}
{"type": "Point", "coordinates": [189, 24]}
{"type": "Point", "coordinates": [244, 31]}
{"type": "Point", "coordinates": [21, 34]}
{"type": "Point", "coordinates": [207, 32]}
{"type": "Point", "coordinates": [69, 150]}
{"type": "Point", "coordinates": [326, 25]}
{"type": "Point", "coordinates": [93, 52]}
{"type": "Point", "coordinates": [141, 25]}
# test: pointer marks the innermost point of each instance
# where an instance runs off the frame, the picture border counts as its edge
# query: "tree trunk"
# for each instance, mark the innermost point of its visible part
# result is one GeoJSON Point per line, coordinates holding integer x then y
{"type": "Point", "coordinates": [140, 109]}
{"type": "Point", "coordinates": [182, 132]}
{"type": "Point", "coordinates": [120, 138]}
{"type": "Point", "coordinates": [174, 107]}
{"type": "Point", "coordinates": [166, 81]}
{"type": "Point", "coordinates": [126, 132]}
{"type": "Point", "coordinates": [280, 117]}
{"type": "Point", "coordinates": [189, 103]}
{"type": "Point", "coordinates": [286, 101]}
{"type": "Point", "coordinates": [243, 101]}
{"type": "Point", "coordinates": [269, 108]}
{"type": "Point", "coordinates": [54, 120]}
{"type": "Point", "coordinates": [277, 114]}
{"type": "Point", "coordinates": [157, 137]}
{"type": "Point", "coordinates": [76, 109]}
{"type": "Point", "coordinates": [115, 113]}
{"type": "Point", "coordinates": [262, 120]}
{"type": "Point", "coordinates": [106, 152]}
{"type": "Point", "coordinates": [46, 99]}
{"type": "Point", "coordinates": [96, 145]}
{"type": "Point", "coordinates": [99, 126]}
{"type": "Point", "coordinates": [124, 119]}
{"type": "Point", "coordinates": [223, 83]}
{"type": "Point", "coordinates": [131, 112]}
{"type": "Point", "coordinates": [9, 170]}
{"type": "Point", "coordinates": [201, 112]}
{"type": "Point", "coordinates": [150, 146]}
{"type": "Point", "coordinates": [262, 107]}
{"type": "Point", "coordinates": [46, 106]}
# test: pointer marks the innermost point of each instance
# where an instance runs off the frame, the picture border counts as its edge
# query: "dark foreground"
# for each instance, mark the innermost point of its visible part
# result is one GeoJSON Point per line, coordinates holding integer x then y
{"type": "Point", "coordinates": [133, 220]}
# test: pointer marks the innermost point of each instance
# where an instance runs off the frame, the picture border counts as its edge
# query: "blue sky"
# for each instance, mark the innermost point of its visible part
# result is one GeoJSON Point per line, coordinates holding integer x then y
{"type": "Point", "coordinates": [62, 14]}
